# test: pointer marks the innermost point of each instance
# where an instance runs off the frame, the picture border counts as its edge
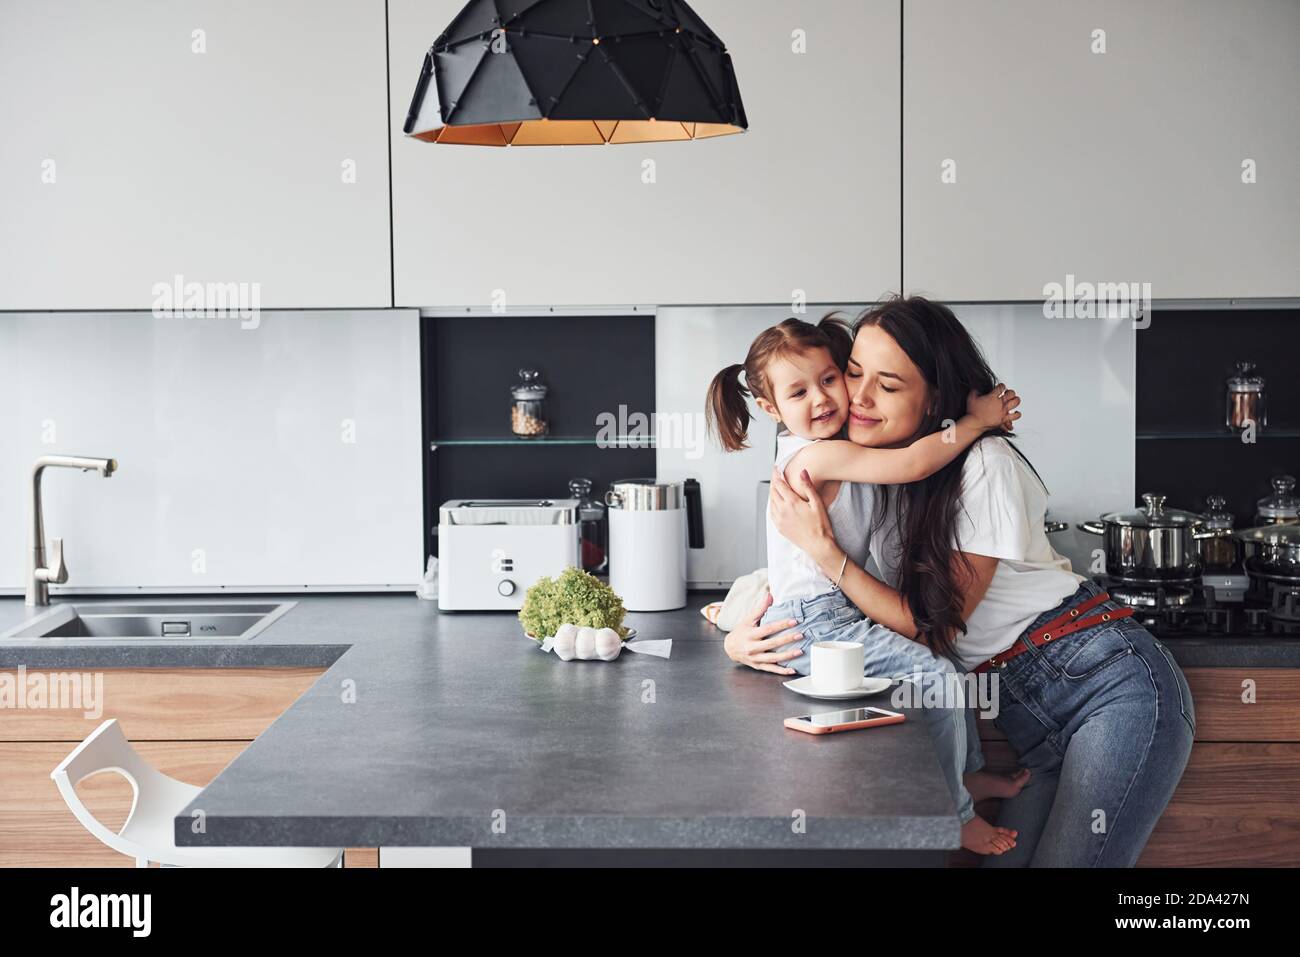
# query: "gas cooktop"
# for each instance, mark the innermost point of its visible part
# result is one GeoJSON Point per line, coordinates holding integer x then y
{"type": "Point", "coordinates": [1195, 609]}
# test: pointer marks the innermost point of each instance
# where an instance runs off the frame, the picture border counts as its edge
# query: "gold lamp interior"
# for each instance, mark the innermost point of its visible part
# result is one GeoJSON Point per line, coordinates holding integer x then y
{"type": "Point", "coordinates": [574, 132]}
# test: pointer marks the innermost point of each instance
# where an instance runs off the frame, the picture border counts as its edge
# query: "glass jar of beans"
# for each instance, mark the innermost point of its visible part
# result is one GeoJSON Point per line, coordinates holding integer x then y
{"type": "Point", "coordinates": [1246, 407]}
{"type": "Point", "coordinates": [528, 410]}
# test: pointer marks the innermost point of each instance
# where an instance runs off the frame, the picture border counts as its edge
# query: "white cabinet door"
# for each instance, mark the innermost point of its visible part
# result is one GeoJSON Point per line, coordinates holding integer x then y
{"type": "Point", "coordinates": [216, 140]}
{"type": "Point", "coordinates": [807, 200]}
{"type": "Point", "coordinates": [1117, 166]}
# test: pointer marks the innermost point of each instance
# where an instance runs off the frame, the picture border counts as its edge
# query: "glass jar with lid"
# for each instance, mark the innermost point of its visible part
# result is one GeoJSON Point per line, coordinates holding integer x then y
{"type": "Point", "coordinates": [1246, 406]}
{"type": "Point", "coordinates": [1218, 554]}
{"type": "Point", "coordinates": [528, 408]}
{"type": "Point", "coordinates": [593, 527]}
{"type": "Point", "coordinates": [1282, 507]}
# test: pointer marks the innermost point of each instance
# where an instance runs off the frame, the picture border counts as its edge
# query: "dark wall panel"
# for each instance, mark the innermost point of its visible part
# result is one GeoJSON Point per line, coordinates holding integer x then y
{"type": "Point", "coordinates": [593, 364]}
{"type": "Point", "coordinates": [1189, 469]}
{"type": "Point", "coordinates": [1183, 361]}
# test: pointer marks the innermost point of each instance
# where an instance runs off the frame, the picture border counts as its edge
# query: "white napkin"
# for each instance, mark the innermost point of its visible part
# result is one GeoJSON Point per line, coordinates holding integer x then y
{"type": "Point", "coordinates": [658, 647]}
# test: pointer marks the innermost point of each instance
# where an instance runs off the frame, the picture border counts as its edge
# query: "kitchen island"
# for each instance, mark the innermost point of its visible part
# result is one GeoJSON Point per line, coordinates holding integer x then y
{"type": "Point", "coordinates": [432, 730]}
{"type": "Point", "coordinates": [454, 730]}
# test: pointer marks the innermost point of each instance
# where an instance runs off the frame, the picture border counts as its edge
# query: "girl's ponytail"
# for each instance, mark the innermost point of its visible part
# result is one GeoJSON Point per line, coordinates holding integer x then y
{"type": "Point", "coordinates": [727, 410]}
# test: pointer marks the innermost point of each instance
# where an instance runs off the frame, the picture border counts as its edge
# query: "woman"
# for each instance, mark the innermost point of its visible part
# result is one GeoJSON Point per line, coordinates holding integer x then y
{"type": "Point", "coordinates": [1092, 703]}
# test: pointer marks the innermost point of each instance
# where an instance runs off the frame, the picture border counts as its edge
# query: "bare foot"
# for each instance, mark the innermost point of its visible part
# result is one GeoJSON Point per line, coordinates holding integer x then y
{"type": "Point", "coordinates": [980, 836]}
{"type": "Point", "coordinates": [986, 784]}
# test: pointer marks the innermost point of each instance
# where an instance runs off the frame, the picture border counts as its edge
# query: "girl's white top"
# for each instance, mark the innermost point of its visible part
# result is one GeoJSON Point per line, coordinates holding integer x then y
{"type": "Point", "coordinates": [791, 574]}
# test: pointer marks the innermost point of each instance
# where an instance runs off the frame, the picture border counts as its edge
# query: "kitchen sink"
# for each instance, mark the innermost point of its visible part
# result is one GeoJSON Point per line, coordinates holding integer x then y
{"type": "Point", "coordinates": [165, 621]}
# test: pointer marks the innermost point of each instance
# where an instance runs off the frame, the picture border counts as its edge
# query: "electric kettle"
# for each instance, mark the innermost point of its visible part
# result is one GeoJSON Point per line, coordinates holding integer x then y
{"type": "Point", "coordinates": [651, 524]}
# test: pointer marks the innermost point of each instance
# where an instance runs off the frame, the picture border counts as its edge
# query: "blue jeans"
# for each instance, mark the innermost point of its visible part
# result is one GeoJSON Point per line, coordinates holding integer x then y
{"type": "Point", "coordinates": [1104, 720]}
{"type": "Point", "coordinates": [887, 654]}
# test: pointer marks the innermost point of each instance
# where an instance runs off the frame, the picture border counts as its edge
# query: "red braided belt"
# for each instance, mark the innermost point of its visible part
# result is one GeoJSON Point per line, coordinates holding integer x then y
{"type": "Point", "coordinates": [1067, 624]}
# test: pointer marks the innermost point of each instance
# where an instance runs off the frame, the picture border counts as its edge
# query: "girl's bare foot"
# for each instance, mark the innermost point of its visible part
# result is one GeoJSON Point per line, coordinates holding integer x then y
{"type": "Point", "coordinates": [980, 836]}
{"type": "Point", "coordinates": [986, 784]}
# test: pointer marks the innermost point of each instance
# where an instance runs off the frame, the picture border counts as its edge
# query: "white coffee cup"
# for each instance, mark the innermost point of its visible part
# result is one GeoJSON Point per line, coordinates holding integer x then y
{"type": "Point", "coordinates": [837, 666]}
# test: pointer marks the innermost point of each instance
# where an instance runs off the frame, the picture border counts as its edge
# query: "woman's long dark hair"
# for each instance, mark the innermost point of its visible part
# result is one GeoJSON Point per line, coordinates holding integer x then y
{"type": "Point", "coordinates": [952, 364]}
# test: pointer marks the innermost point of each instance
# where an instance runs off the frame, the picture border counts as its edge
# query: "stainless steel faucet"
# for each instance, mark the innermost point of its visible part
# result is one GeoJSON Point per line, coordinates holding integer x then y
{"type": "Point", "coordinates": [39, 575]}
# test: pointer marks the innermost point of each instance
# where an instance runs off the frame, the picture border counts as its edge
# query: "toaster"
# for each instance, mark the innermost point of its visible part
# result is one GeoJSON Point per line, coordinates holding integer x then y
{"type": "Point", "coordinates": [491, 550]}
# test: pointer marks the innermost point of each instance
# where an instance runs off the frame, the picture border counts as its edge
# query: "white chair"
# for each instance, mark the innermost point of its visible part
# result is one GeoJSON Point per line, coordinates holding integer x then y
{"type": "Point", "coordinates": [148, 834]}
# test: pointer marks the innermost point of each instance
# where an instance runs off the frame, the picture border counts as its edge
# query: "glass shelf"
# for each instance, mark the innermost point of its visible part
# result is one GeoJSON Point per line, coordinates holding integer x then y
{"type": "Point", "coordinates": [1265, 433]}
{"type": "Point", "coordinates": [620, 442]}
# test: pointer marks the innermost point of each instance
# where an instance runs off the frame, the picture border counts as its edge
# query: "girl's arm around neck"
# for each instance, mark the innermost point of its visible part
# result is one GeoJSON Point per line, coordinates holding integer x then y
{"type": "Point", "coordinates": [840, 459]}
{"type": "Point", "coordinates": [844, 461]}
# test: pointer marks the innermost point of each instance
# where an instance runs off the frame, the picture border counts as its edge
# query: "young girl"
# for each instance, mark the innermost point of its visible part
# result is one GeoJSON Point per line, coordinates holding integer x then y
{"type": "Point", "coordinates": [795, 373]}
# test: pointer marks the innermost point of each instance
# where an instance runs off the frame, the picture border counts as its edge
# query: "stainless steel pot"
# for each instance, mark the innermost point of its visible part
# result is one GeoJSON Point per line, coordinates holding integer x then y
{"type": "Point", "coordinates": [1272, 551]}
{"type": "Point", "coordinates": [1152, 543]}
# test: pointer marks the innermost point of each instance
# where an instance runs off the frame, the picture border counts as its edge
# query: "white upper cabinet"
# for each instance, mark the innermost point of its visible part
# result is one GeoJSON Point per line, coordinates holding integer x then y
{"type": "Point", "coordinates": [222, 141]}
{"type": "Point", "coordinates": [1170, 158]}
{"type": "Point", "coordinates": [807, 200]}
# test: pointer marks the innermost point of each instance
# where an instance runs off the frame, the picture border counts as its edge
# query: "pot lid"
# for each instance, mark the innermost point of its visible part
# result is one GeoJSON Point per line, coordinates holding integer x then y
{"type": "Point", "coordinates": [1282, 503]}
{"type": "Point", "coordinates": [1154, 514]}
{"type": "Point", "coordinates": [1271, 535]}
{"type": "Point", "coordinates": [1216, 512]}
{"type": "Point", "coordinates": [1246, 379]}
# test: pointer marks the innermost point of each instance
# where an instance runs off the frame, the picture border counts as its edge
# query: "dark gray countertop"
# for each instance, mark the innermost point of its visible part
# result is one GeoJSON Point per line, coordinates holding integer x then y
{"type": "Point", "coordinates": [463, 734]}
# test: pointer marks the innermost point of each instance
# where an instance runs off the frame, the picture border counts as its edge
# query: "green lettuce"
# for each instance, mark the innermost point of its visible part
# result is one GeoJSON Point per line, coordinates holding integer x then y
{"type": "Point", "coordinates": [574, 598]}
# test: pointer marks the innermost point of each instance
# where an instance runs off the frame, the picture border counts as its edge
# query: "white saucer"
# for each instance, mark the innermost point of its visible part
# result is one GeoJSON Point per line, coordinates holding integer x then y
{"type": "Point", "coordinates": [804, 687]}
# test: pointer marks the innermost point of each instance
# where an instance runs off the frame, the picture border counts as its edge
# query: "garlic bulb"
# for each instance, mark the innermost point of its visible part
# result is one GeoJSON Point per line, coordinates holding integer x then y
{"type": "Point", "coordinates": [586, 644]}
{"type": "Point", "coordinates": [565, 642]}
{"type": "Point", "coordinates": [608, 644]}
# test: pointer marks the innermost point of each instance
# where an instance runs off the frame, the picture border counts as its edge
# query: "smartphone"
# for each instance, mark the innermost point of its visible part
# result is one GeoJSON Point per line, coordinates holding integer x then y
{"type": "Point", "coordinates": [848, 720]}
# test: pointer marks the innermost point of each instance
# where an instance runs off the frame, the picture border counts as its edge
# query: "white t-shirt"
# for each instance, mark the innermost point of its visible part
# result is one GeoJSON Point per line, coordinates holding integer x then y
{"type": "Point", "coordinates": [791, 573]}
{"type": "Point", "coordinates": [1000, 515]}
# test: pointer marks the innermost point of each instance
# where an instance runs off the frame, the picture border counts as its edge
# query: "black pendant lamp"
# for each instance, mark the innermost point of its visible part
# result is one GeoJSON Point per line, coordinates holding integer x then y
{"type": "Point", "coordinates": [568, 72]}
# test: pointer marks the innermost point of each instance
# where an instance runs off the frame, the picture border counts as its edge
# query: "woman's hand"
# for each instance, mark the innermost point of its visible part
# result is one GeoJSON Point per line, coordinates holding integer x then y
{"type": "Point", "coordinates": [752, 644]}
{"type": "Point", "coordinates": [800, 516]}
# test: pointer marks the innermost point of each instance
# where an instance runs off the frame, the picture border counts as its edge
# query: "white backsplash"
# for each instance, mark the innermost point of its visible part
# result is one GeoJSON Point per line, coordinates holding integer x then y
{"type": "Point", "coordinates": [235, 456]}
{"type": "Point", "coordinates": [281, 456]}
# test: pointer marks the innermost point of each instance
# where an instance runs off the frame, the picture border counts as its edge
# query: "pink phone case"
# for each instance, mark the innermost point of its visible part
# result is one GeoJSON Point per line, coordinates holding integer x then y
{"type": "Point", "coordinates": [798, 724]}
